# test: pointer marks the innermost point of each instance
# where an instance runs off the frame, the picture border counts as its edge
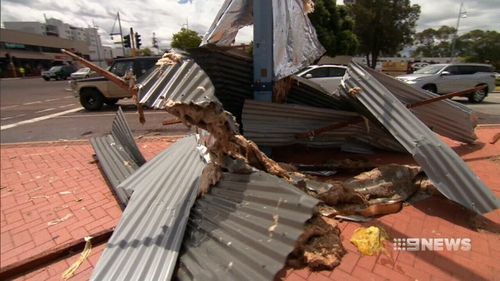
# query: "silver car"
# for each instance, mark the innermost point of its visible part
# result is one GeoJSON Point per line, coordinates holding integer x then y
{"type": "Point", "coordinates": [327, 76]}
{"type": "Point", "coordinates": [449, 78]}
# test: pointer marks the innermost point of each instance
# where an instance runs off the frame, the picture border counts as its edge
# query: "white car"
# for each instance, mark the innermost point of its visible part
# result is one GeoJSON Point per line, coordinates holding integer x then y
{"type": "Point", "coordinates": [81, 73]}
{"type": "Point", "coordinates": [450, 78]}
{"type": "Point", "coordinates": [327, 76]}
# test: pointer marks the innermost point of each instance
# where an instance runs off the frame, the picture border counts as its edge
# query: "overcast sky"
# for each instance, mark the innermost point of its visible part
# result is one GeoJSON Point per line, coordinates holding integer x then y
{"type": "Point", "coordinates": [165, 17]}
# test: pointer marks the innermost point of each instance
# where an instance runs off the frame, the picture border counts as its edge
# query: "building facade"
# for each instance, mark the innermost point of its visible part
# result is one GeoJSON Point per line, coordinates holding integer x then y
{"type": "Point", "coordinates": [35, 52]}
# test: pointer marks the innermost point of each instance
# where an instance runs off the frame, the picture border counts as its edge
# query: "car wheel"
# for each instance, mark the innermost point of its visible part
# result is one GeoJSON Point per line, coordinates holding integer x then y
{"type": "Point", "coordinates": [91, 99]}
{"type": "Point", "coordinates": [111, 101]}
{"type": "Point", "coordinates": [430, 88]}
{"type": "Point", "coordinates": [58, 78]}
{"type": "Point", "coordinates": [46, 78]}
{"type": "Point", "coordinates": [478, 96]}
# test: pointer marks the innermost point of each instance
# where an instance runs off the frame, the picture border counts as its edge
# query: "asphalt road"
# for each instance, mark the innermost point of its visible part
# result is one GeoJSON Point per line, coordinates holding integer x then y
{"type": "Point", "coordinates": [37, 110]}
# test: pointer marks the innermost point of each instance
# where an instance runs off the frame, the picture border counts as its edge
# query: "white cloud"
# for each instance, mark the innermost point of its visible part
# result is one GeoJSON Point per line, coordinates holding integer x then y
{"type": "Point", "coordinates": [165, 17]}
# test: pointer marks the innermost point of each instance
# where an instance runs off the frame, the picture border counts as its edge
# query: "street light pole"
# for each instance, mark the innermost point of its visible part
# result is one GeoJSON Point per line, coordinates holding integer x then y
{"type": "Point", "coordinates": [460, 15]}
{"type": "Point", "coordinates": [121, 33]}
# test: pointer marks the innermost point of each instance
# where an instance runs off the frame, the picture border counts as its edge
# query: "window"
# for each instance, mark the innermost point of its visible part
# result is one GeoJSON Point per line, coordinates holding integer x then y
{"type": "Point", "coordinates": [319, 72]}
{"type": "Point", "coordinates": [453, 70]}
{"type": "Point", "coordinates": [121, 67]}
{"type": "Point", "coordinates": [337, 71]}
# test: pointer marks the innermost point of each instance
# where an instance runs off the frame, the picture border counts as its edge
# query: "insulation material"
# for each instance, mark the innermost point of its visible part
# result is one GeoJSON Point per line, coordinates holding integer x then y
{"type": "Point", "coordinates": [370, 241]}
{"type": "Point", "coordinates": [295, 41]}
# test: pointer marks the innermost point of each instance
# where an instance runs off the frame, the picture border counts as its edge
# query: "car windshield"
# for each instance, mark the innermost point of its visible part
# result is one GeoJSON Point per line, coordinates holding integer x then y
{"type": "Point", "coordinates": [119, 68]}
{"type": "Point", "coordinates": [55, 68]}
{"type": "Point", "coordinates": [430, 69]}
{"type": "Point", "coordinates": [84, 70]}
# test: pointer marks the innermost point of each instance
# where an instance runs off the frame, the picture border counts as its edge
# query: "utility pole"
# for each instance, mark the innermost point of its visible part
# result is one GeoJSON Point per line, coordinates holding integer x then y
{"type": "Point", "coordinates": [263, 50]}
{"type": "Point", "coordinates": [132, 42]}
{"type": "Point", "coordinates": [97, 43]}
{"type": "Point", "coordinates": [121, 32]}
{"type": "Point", "coordinates": [461, 14]}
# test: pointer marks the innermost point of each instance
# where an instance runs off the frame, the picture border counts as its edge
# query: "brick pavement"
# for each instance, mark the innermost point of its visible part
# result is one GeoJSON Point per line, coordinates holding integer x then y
{"type": "Point", "coordinates": [54, 193]}
{"type": "Point", "coordinates": [433, 217]}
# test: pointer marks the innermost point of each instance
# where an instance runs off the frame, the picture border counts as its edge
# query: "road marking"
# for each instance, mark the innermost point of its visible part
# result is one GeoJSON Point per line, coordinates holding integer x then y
{"type": "Point", "coordinates": [9, 106]}
{"type": "Point", "coordinates": [49, 100]}
{"type": "Point", "coordinates": [29, 121]}
{"type": "Point", "coordinates": [69, 97]}
{"type": "Point", "coordinates": [45, 110]}
{"type": "Point", "coordinates": [63, 106]}
{"type": "Point", "coordinates": [111, 114]}
{"type": "Point", "coordinates": [33, 102]}
{"type": "Point", "coordinates": [12, 117]}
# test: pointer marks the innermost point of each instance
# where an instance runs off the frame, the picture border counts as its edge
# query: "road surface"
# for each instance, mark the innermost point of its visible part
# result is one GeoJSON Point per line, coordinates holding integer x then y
{"type": "Point", "coordinates": [38, 110]}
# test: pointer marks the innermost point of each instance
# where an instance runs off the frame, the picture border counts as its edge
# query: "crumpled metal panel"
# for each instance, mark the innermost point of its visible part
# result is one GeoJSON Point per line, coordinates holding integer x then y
{"type": "Point", "coordinates": [295, 41]}
{"type": "Point", "coordinates": [243, 229]}
{"type": "Point", "coordinates": [296, 44]}
{"type": "Point", "coordinates": [146, 242]}
{"type": "Point", "coordinates": [446, 117]}
{"type": "Point", "coordinates": [232, 16]}
{"type": "Point", "coordinates": [118, 155]}
{"type": "Point", "coordinates": [443, 166]}
{"type": "Point", "coordinates": [272, 124]}
{"type": "Point", "coordinates": [184, 82]}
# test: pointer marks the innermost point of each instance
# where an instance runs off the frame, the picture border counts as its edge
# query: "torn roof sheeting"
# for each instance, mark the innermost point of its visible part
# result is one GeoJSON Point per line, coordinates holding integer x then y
{"type": "Point", "coordinates": [118, 154]}
{"type": "Point", "coordinates": [145, 244]}
{"type": "Point", "coordinates": [295, 43]}
{"type": "Point", "coordinates": [442, 165]}
{"type": "Point", "coordinates": [244, 228]}
{"type": "Point", "coordinates": [183, 82]}
{"type": "Point", "coordinates": [446, 117]}
{"type": "Point", "coordinates": [274, 124]}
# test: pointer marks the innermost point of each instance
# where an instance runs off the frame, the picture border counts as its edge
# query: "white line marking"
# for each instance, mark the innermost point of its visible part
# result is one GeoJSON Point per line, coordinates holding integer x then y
{"type": "Point", "coordinates": [49, 100]}
{"type": "Point", "coordinates": [63, 106]}
{"type": "Point", "coordinates": [8, 107]}
{"type": "Point", "coordinates": [110, 114]}
{"type": "Point", "coordinates": [29, 121]}
{"type": "Point", "coordinates": [33, 102]}
{"type": "Point", "coordinates": [7, 118]}
{"type": "Point", "coordinates": [45, 110]}
{"type": "Point", "coordinates": [69, 97]}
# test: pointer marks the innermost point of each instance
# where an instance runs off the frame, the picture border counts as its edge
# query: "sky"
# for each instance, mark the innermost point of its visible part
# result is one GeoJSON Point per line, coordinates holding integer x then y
{"type": "Point", "coordinates": [165, 17]}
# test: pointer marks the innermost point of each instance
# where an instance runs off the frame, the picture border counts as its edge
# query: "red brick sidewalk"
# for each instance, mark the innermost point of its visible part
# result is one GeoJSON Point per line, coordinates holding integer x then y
{"type": "Point", "coordinates": [53, 194]}
{"type": "Point", "coordinates": [68, 167]}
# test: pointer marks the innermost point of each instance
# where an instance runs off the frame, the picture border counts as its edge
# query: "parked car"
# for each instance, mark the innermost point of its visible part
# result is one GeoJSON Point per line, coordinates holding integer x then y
{"type": "Point", "coordinates": [449, 78]}
{"type": "Point", "coordinates": [327, 76]}
{"type": "Point", "coordinates": [97, 91]}
{"type": "Point", "coordinates": [58, 72]}
{"type": "Point", "coordinates": [81, 73]}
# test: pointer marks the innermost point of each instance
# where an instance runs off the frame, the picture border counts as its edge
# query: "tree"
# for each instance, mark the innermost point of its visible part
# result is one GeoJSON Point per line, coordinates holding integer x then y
{"type": "Point", "coordinates": [434, 43]}
{"type": "Point", "coordinates": [480, 46]}
{"type": "Point", "coordinates": [383, 26]}
{"type": "Point", "coordinates": [334, 27]}
{"type": "Point", "coordinates": [145, 52]}
{"type": "Point", "coordinates": [185, 39]}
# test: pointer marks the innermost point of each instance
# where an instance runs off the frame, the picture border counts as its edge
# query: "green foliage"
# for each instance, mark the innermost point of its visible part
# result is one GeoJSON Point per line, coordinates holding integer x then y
{"type": "Point", "coordinates": [434, 43]}
{"type": "Point", "coordinates": [145, 52]}
{"type": "Point", "coordinates": [384, 26]}
{"type": "Point", "coordinates": [334, 28]}
{"type": "Point", "coordinates": [480, 46]}
{"type": "Point", "coordinates": [185, 39]}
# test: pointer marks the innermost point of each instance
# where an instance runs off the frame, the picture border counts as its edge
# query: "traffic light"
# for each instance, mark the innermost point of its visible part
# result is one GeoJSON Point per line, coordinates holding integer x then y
{"type": "Point", "coordinates": [126, 41]}
{"type": "Point", "coordinates": [137, 40]}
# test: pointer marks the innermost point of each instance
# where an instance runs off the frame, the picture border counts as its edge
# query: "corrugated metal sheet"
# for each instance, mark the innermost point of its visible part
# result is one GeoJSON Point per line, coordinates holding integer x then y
{"type": "Point", "coordinates": [183, 82]}
{"type": "Point", "coordinates": [118, 154]}
{"type": "Point", "coordinates": [145, 244]}
{"type": "Point", "coordinates": [228, 235]}
{"type": "Point", "coordinates": [272, 124]}
{"type": "Point", "coordinates": [442, 165]}
{"type": "Point", "coordinates": [446, 117]}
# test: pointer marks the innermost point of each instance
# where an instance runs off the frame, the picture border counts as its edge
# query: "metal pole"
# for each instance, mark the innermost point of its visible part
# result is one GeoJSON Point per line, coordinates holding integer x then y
{"type": "Point", "coordinates": [121, 33]}
{"type": "Point", "coordinates": [456, 31]}
{"type": "Point", "coordinates": [97, 43]}
{"type": "Point", "coordinates": [132, 42]}
{"type": "Point", "coordinates": [263, 50]}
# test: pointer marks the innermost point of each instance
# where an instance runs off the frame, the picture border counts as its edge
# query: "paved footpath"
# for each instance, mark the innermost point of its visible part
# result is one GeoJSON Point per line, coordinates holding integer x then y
{"type": "Point", "coordinates": [55, 193]}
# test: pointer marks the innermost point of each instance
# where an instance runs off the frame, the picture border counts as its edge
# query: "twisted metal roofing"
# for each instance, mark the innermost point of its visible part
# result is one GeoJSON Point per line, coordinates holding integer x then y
{"type": "Point", "coordinates": [442, 165]}
{"type": "Point", "coordinates": [243, 229]}
{"type": "Point", "coordinates": [118, 155]}
{"type": "Point", "coordinates": [145, 244]}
